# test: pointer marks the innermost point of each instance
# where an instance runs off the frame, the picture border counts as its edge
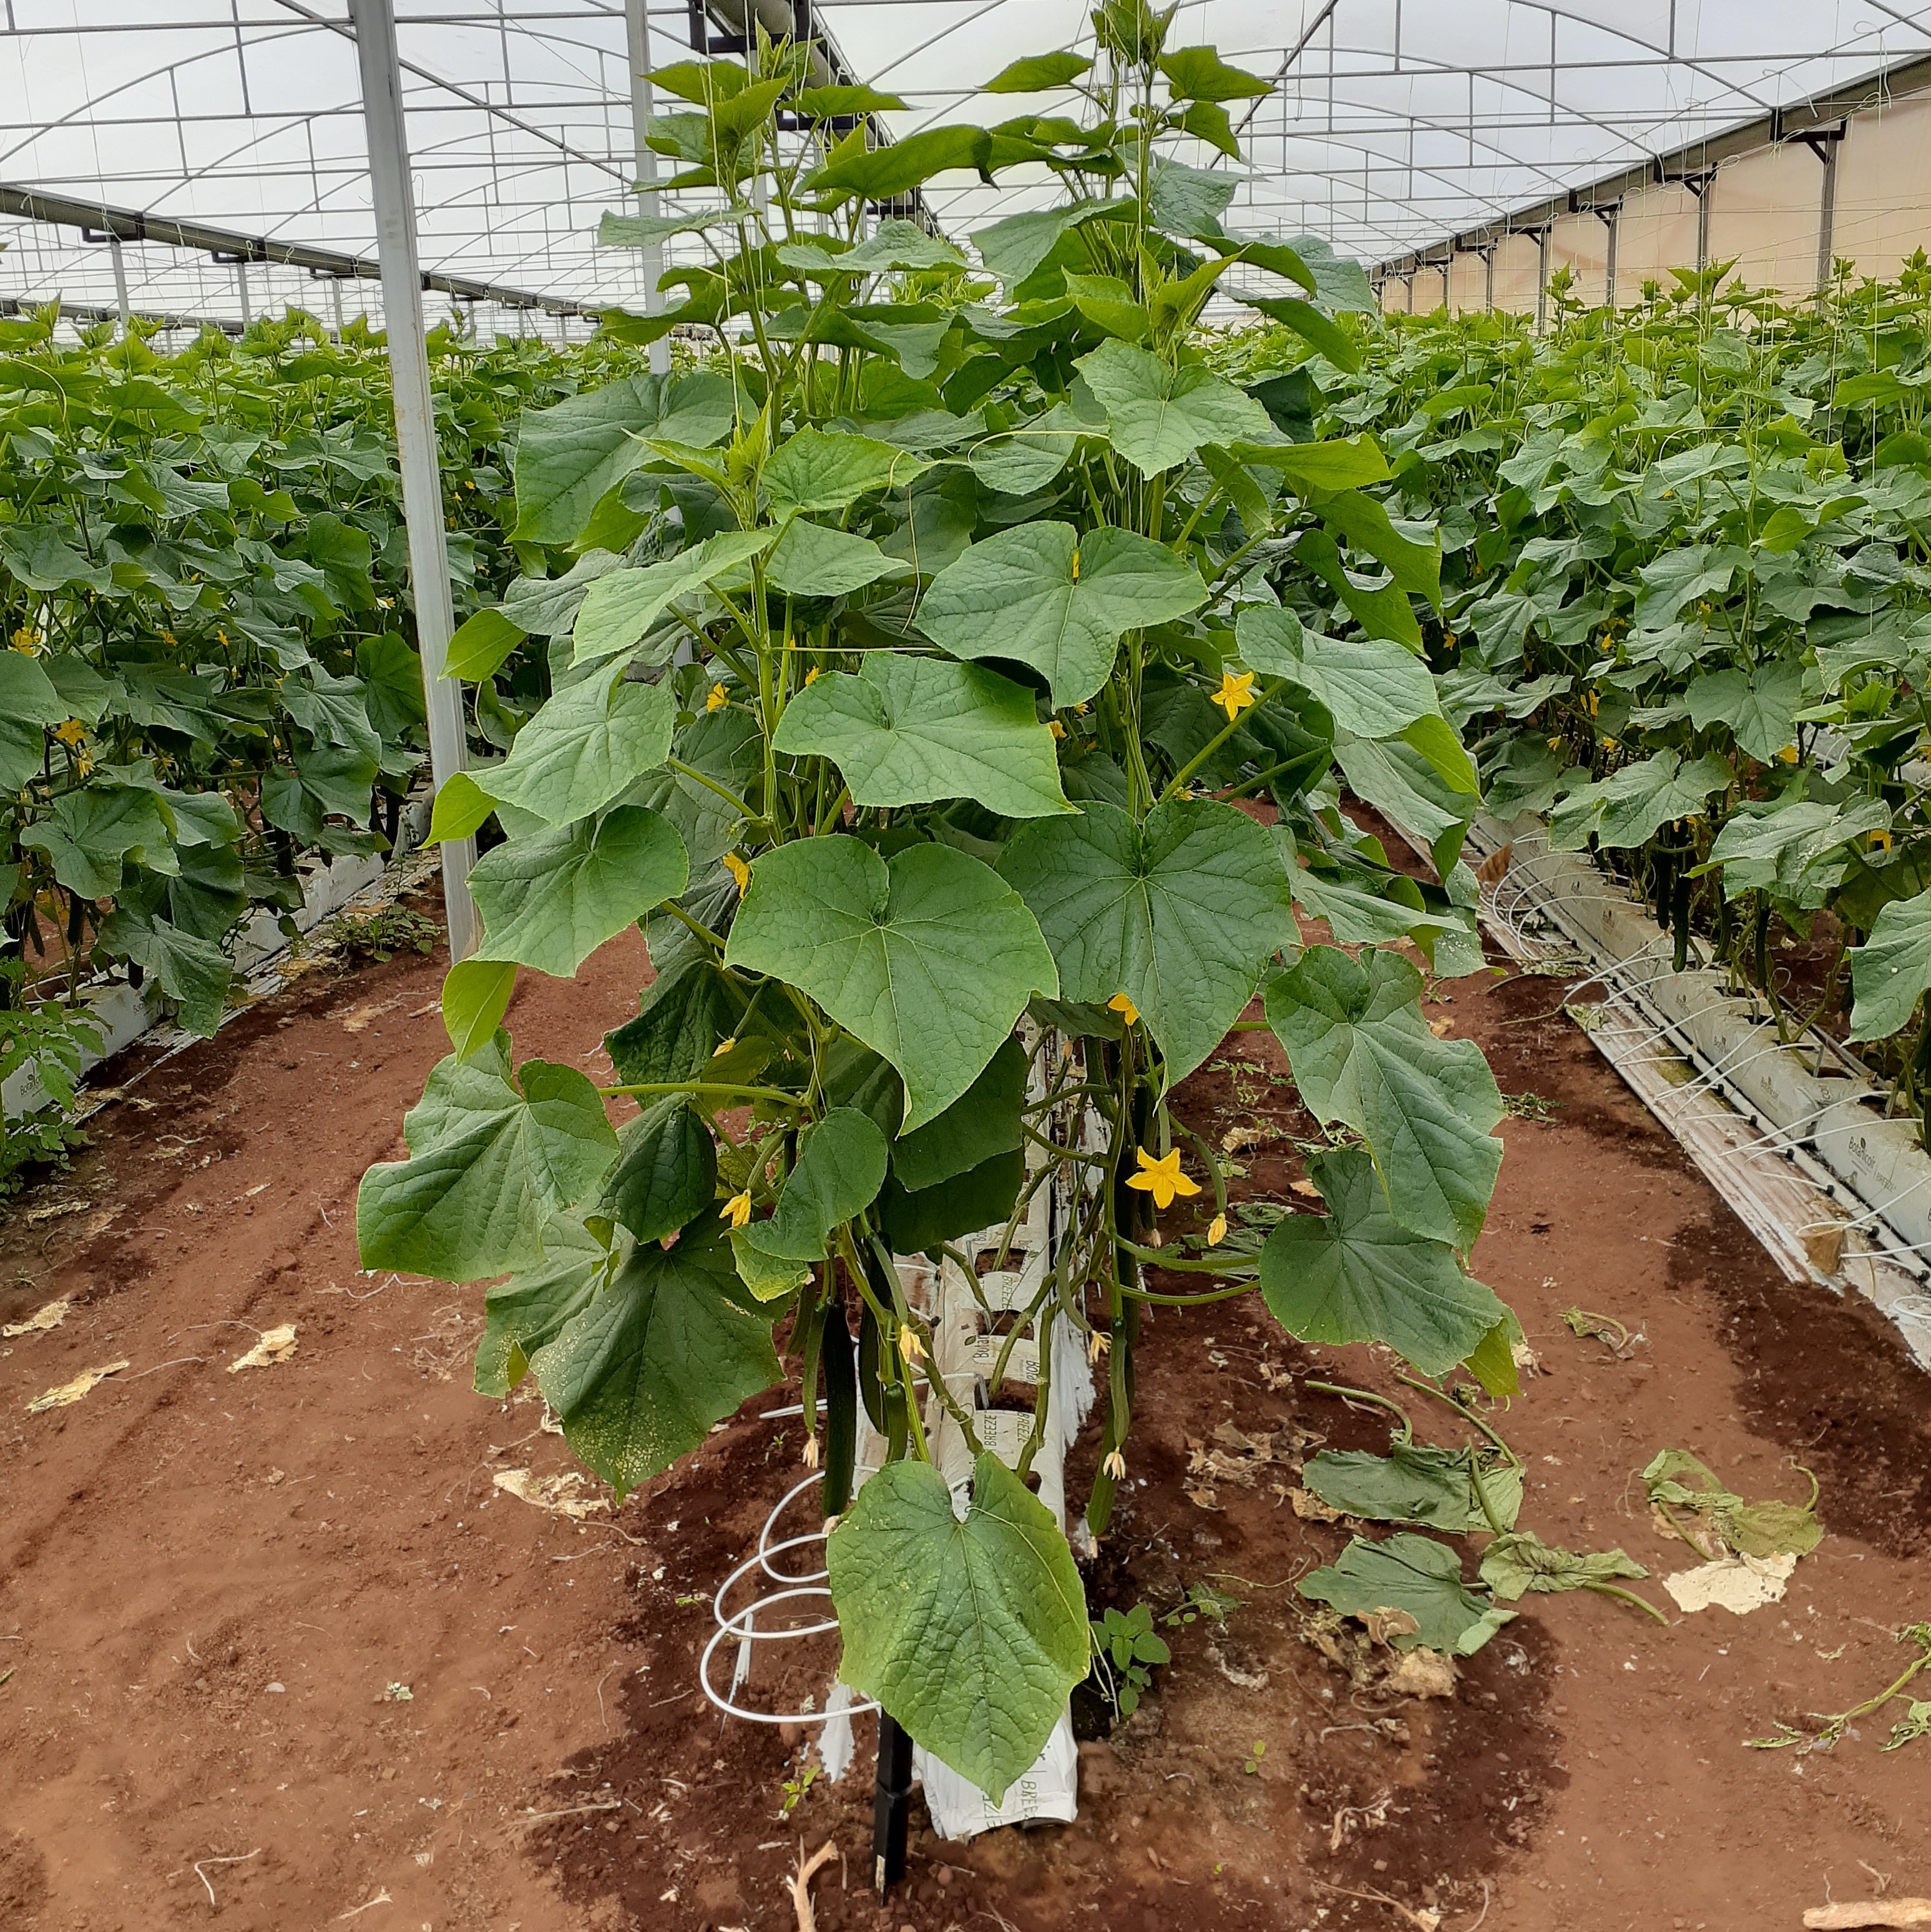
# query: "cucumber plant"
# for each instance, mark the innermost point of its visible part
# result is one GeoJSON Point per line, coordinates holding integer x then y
{"type": "Point", "coordinates": [911, 659]}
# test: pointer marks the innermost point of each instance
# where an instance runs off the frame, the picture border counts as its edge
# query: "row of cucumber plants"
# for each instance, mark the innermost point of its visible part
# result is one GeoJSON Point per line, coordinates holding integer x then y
{"type": "Point", "coordinates": [209, 664]}
{"type": "Point", "coordinates": [911, 661]}
{"type": "Point", "coordinates": [1687, 608]}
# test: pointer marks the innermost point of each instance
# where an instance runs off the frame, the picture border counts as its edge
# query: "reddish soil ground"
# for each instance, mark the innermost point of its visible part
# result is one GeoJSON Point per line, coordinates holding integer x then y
{"type": "Point", "coordinates": [276, 1653]}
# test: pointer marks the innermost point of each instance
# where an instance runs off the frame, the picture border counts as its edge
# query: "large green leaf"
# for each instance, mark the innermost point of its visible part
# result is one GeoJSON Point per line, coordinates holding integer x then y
{"type": "Point", "coordinates": [1012, 248]}
{"type": "Point", "coordinates": [972, 1634]}
{"type": "Point", "coordinates": [1373, 689]}
{"type": "Point", "coordinates": [1029, 456]}
{"type": "Point", "coordinates": [907, 730]}
{"type": "Point", "coordinates": [585, 747]}
{"type": "Point", "coordinates": [929, 960]}
{"type": "Point", "coordinates": [1892, 969]}
{"type": "Point", "coordinates": [93, 830]}
{"type": "Point", "coordinates": [812, 561]}
{"type": "Point", "coordinates": [549, 901]}
{"type": "Point", "coordinates": [1364, 522]}
{"type": "Point", "coordinates": [490, 1158]}
{"type": "Point", "coordinates": [915, 1221]}
{"type": "Point", "coordinates": [879, 174]}
{"type": "Point", "coordinates": [1158, 416]}
{"type": "Point", "coordinates": [568, 455]}
{"type": "Point", "coordinates": [1180, 914]}
{"type": "Point", "coordinates": [841, 1168]}
{"type": "Point", "coordinates": [1357, 1274]}
{"type": "Point", "coordinates": [663, 1351]}
{"type": "Point", "coordinates": [623, 605]}
{"type": "Point", "coordinates": [667, 1170]}
{"type": "Point", "coordinates": [1414, 1573]}
{"type": "Point", "coordinates": [1362, 1054]}
{"type": "Point", "coordinates": [1043, 595]}
{"type": "Point", "coordinates": [983, 1121]}
{"type": "Point", "coordinates": [1199, 73]}
{"type": "Point", "coordinates": [27, 695]}
{"type": "Point", "coordinates": [684, 1013]}
{"type": "Point", "coordinates": [819, 470]}
{"type": "Point", "coordinates": [193, 971]}
{"type": "Point", "coordinates": [534, 1304]}
{"type": "Point", "coordinates": [1630, 806]}
{"type": "Point", "coordinates": [1760, 707]}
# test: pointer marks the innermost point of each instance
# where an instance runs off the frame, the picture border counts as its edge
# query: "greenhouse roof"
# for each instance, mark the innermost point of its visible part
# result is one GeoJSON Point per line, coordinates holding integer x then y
{"type": "Point", "coordinates": [1393, 124]}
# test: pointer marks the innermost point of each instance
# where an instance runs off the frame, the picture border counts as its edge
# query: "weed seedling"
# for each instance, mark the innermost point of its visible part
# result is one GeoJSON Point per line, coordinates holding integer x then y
{"type": "Point", "coordinates": [1255, 1752]}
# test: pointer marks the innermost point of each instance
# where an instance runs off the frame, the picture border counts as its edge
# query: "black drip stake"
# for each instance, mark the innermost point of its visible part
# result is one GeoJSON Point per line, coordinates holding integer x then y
{"type": "Point", "coordinates": [890, 1805]}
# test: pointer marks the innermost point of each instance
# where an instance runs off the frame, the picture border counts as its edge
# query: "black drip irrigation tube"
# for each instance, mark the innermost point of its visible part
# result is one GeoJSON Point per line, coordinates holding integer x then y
{"type": "Point", "coordinates": [891, 1804]}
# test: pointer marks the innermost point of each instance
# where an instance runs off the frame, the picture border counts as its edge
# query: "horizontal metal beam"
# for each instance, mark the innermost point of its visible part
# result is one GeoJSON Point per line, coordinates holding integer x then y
{"type": "Point", "coordinates": [11, 306]}
{"type": "Point", "coordinates": [126, 225]}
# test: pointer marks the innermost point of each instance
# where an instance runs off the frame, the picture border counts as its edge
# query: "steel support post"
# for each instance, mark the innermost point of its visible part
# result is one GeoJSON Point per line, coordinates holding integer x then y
{"type": "Point", "coordinates": [637, 35]}
{"type": "Point", "coordinates": [374, 21]}
{"type": "Point", "coordinates": [120, 282]}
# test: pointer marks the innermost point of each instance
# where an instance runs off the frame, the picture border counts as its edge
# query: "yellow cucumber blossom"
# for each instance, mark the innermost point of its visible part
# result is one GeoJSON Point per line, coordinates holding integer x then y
{"type": "Point", "coordinates": [811, 677]}
{"type": "Point", "coordinates": [716, 698]}
{"type": "Point", "coordinates": [1216, 1230]}
{"type": "Point", "coordinates": [723, 1046]}
{"type": "Point", "coordinates": [71, 733]}
{"type": "Point", "coordinates": [1236, 693]}
{"type": "Point", "coordinates": [1053, 725]}
{"type": "Point", "coordinates": [910, 1346]}
{"type": "Point", "coordinates": [1162, 1178]}
{"type": "Point", "coordinates": [1115, 1465]}
{"type": "Point", "coordinates": [738, 869]}
{"type": "Point", "coordinates": [26, 640]}
{"type": "Point", "coordinates": [1075, 563]}
{"type": "Point", "coordinates": [1122, 1003]}
{"type": "Point", "coordinates": [1098, 1343]}
{"type": "Point", "coordinates": [811, 1452]}
{"type": "Point", "coordinates": [737, 1210]}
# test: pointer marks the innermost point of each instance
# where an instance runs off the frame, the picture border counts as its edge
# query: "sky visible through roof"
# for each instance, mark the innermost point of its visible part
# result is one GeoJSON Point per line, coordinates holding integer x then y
{"type": "Point", "coordinates": [1393, 124]}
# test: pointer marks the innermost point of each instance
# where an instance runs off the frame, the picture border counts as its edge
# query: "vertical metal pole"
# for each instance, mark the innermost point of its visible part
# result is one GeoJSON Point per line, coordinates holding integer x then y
{"type": "Point", "coordinates": [637, 36]}
{"type": "Point", "coordinates": [1488, 279]}
{"type": "Point", "coordinates": [890, 1805]}
{"type": "Point", "coordinates": [242, 290]}
{"type": "Point", "coordinates": [335, 294]}
{"type": "Point", "coordinates": [1612, 221]}
{"type": "Point", "coordinates": [1542, 281]}
{"type": "Point", "coordinates": [415, 431]}
{"type": "Point", "coordinates": [1703, 221]}
{"type": "Point", "coordinates": [1827, 215]}
{"type": "Point", "coordinates": [120, 282]}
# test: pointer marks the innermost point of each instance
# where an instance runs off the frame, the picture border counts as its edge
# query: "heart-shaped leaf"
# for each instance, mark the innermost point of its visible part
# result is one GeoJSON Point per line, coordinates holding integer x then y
{"type": "Point", "coordinates": [928, 959]}
{"type": "Point", "coordinates": [1410, 1572]}
{"type": "Point", "coordinates": [550, 901]}
{"type": "Point", "coordinates": [841, 1168]}
{"type": "Point", "coordinates": [622, 606]}
{"type": "Point", "coordinates": [1372, 687]}
{"type": "Point", "coordinates": [907, 730]}
{"type": "Point", "coordinates": [490, 1158]}
{"type": "Point", "coordinates": [1043, 595]}
{"type": "Point", "coordinates": [1357, 1275]}
{"type": "Point", "coordinates": [972, 1634]}
{"type": "Point", "coordinates": [1362, 1055]}
{"type": "Point", "coordinates": [1892, 968]}
{"type": "Point", "coordinates": [1158, 416]}
{"type": "Point", "coordinates": [665, 1350]}
{"type": "Point", "coordinates": [811, 561]}
{"type": "Point", "coordinates": [591, 741]}
{"type": "Point", "coordinates": [1181, 914]}
{"type": "Point", "coordinates": [667, 1170]}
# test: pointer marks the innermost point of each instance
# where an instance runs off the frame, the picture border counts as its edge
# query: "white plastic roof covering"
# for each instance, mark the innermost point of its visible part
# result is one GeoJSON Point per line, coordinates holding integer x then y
{"type": "Point", "coordinates": [1393, 124]}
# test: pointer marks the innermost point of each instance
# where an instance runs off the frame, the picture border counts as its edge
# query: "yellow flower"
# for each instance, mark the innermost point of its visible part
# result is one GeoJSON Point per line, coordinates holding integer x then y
{"type": "Point", "coordinates": [1053, 725]}
{"type": "Point", "coordinates": [736, 1210]}
{"type": "Point", "coordinates": [738, 869]}
{"type": "Point", "coordinates": [811, 1452]}
{"type": "Point", "coordinates": [1099, 1343]}
{"type": "Point", "coordinates": [1589, 704]}
{"type": "Point", "coordinates": [1080, 710]}
{"type": "Point", "coordinates": [811, 677]}
{"type": "Point", "coordinates": [26, 640]}
{"type": "Point", "coordinates": [1121, 1004]}
{"type": "Point", "coordinates": [1216, 1232]}
{"type": "Point", "coordinates": [1162, 1178]}
{"type": "Point", "coordinates": [169, 637]}
{"type": "Point", "coordinates": [71, 733]}
{"type": "Point", "coordinates": [723, 1047]}
{"type": "Point", "coordinates": [910, 1346]}
{"type": "Point", "coordinates": [1881, 840]}
{"type": "Point", "coordinates": [716, 698]}
{"type": "Point", "coordinates": [1115, 1465]}
{"type": "Point", "coordinates": [1236, 693]}
{"type": "Point", "coordinates": [1788, 755]}
{"type": "Point", "coordinates": [1555, 744]}
{"type": "Point", "coordinates": [1076, 563]}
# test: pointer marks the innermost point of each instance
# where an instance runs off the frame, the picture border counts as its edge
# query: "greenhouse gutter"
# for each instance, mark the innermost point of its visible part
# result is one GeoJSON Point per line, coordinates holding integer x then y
{"type": "Point", "coordinates": [226, 244]}
{"type": "Point", "coordinates": [1791, 1134]}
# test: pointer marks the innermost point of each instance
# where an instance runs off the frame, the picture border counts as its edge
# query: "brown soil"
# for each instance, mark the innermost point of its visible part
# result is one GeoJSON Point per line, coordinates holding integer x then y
{"type": "Point", "coordinates": [210, 1584]}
